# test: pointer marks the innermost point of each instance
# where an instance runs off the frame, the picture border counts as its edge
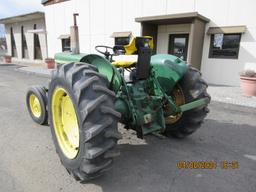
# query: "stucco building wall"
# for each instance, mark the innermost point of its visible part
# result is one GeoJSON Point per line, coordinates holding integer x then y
{"type": "Point", "coordinates": [100, 18]}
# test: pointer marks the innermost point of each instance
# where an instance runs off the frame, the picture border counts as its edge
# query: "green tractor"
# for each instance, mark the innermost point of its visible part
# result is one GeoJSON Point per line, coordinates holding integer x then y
{"type": "Point", "coordinates": [89, 94]}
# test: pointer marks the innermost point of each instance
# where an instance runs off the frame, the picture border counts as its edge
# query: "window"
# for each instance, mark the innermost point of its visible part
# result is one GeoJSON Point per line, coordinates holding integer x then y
{"type": "Point", "coordinates": [225, 46]}
{"type": "Point", "coordinates": [178, 45]}
{"type": "Point", "coordinates": [24, 44]}
{"type": "Point", "coordinates": [66, 44]}
{"type": "Point", "coordinates": [122, 40]}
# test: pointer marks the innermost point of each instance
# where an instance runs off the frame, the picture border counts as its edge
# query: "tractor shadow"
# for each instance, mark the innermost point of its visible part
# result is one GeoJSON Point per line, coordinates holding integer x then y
{"type": "Point", "coordinates": [152, 166]}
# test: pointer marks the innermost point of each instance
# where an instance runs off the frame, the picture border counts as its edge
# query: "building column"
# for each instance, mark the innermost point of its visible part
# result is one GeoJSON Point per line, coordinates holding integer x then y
{"type": "Point", "coordinates": [196, 41]}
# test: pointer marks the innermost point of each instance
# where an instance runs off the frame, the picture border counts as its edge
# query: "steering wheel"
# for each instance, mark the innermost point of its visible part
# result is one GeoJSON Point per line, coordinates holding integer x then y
{"type": "Point", "coordinates": [106, 53]}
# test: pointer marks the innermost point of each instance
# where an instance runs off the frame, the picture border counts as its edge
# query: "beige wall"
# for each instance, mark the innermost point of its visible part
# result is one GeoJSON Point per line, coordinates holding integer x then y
{"type": "Point", "coordinates": [196, 32]}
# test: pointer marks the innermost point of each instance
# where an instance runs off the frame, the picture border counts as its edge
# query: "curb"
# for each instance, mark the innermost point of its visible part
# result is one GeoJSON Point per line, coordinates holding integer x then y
{"type": "Point", "coordinates": [8, 65]}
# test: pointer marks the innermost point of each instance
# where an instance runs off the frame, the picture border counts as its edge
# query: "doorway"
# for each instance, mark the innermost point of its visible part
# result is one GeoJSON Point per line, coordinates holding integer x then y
{"type": "Point", "coordinates": [178, 45]}
{"type": "Point", "coordinates": [24, 46]}
{"type": "Point", "coordinates": [13, 44]}
{"type": "Point", "coordinates": [37, 47]}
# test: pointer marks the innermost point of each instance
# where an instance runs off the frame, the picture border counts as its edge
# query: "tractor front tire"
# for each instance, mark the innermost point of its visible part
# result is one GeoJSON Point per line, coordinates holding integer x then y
{"type": "Point", "coordinates": [36, 101]}
{"type": "Point", "coordinates": [191, 87]}
{"type": "Point", "coordinates": [93, 106]}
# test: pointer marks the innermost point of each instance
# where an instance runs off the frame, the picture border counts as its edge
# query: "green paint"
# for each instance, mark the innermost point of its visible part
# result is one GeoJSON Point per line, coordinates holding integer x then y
{"type": "Point", "coordinates": [147, 110]}
{"type": "Point", "coordinates": [194, 104]}
{"type": "Point", "coordinates": [168, 70]}
{"type": "Point", "coordinates": [64, 57]}
{"type": "Point", "coordinates": [141, 102]}
{"type": "Point", "coordinates": [122, 107]}
{"type": "Point", "coordinates": [105, 68]}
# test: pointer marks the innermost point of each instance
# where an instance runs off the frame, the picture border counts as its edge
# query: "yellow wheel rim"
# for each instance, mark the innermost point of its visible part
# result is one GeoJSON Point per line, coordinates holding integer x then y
{"type": "Point", "coordinates": [35, 106]}
{"type": "Point", "coordinates": [179, 99]}
{"type": "Point", "coordinates": [65, 123]}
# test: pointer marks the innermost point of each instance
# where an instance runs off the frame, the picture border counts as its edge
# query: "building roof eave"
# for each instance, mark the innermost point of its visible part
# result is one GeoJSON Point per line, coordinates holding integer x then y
{"type": "Point", "coordinates": [226, 29]}
{"type": "Point", "coordinates": [121, 34]}
{"type": "Point", "coordinates": [44, 1]}
{"type": "Point", "coordinates": [172, 18]}
{"type": "Point", "coordinates": [51, 2]}
{"type": "Point", "coordinates": [23, 17]}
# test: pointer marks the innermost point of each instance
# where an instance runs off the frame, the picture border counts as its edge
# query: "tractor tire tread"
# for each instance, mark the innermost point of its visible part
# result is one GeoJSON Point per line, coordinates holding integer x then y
{"type": "Point", "coordinates": [194, 87]}
{"type": "Point", "coordinates": [95, 105]}
{"type": "Point", "coordinates": [94, 152]}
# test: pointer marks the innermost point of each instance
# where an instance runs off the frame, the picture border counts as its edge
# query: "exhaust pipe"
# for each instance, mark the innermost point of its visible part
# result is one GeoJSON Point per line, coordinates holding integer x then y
{"type": "Point", "coordinates": [74, 36]}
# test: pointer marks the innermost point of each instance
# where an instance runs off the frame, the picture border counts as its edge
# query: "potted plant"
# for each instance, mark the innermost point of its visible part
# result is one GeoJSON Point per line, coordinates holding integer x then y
{"type": "Point", "coordinates": [50, 63]}
{"type": "Point", "coordinates": [248, 82]}
{"type": "Point", "coordinates": [7, 59]}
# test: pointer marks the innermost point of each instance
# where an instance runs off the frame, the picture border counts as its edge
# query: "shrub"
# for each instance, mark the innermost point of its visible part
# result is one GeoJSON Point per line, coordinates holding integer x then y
{"type": "Point", "coordinates": [248, 73]}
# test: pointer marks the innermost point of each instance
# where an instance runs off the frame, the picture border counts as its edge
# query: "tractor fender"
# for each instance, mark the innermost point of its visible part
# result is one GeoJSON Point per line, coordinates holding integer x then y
{"type": "Point", "coordinates": [105, 67]}
{"type": "Point", "coordinates": [168, 70]}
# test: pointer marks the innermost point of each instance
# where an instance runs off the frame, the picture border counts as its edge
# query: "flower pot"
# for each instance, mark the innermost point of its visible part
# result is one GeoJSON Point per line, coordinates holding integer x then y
{"type": "Point", "coordinates": [248, 85]}
{"type": "Point", "coordinates": [50, 63]}
{"type": "Point", "coordinates": [7, 59]}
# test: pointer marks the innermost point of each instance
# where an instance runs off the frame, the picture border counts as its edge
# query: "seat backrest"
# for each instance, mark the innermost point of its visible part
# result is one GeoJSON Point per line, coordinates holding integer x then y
{"type": "Point", "coordinates": [134, 45]}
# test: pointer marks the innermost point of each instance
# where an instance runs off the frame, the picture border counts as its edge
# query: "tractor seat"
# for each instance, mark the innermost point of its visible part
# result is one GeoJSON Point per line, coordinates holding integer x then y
{"type": "Point", "coordinates": [123, 64]}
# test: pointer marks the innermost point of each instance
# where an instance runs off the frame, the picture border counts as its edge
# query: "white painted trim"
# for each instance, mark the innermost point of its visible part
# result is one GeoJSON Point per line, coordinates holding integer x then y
{"type": "Point", "coordinates": [37, 31]}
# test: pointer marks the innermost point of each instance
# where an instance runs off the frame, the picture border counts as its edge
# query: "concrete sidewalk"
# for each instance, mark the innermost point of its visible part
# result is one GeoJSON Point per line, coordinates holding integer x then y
{"type": "Point", "coordinates": [39, 70]}
{"type": "Point", "coordinates": [225, 94]}
{"type": "Point", "coordinates": [231, 95]}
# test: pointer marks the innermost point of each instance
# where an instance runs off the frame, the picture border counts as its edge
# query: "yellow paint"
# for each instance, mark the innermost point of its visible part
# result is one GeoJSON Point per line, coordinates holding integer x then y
{"type": "Point", "coordinates": [179, 99]}
{"type": "Point", "coordinates": [35, 106]}
{"type": "Point", "coordinates": [131, 47]}
{"type": "Point", "coordinates": [65, 123]}
{"type": "Point", "coordinates": [123, 63]}
{"type": "Point", "coordinates": [129, 50]}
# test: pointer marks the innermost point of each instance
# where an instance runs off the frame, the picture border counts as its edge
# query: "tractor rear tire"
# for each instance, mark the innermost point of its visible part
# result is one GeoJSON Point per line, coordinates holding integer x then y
{"type": "Point", "coordinates": [36, 101]}
{"type": "Point", "coordinates": [97, 120]}
{"type": "Point", "coordinates": [193, 87]}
